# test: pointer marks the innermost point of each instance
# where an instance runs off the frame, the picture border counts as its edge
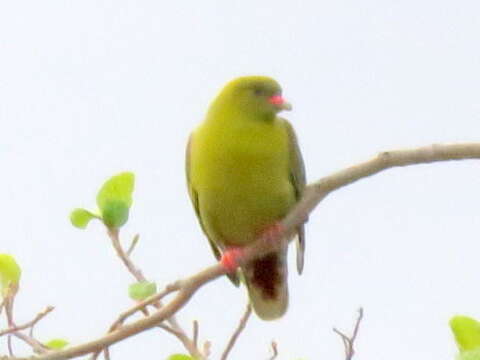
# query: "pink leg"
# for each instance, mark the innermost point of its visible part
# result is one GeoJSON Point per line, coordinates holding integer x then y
{"type": "Point", "coordinates": [230, 258]}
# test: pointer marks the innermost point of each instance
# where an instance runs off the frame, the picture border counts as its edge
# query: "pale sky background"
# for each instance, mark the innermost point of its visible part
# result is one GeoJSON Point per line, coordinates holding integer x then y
{"type": "Point", "coordinates": [91, 88]}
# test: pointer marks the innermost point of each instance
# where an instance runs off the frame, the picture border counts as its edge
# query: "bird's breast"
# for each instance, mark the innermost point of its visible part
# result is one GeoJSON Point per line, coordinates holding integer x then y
{"type": "Point", "coordinates": [247, 157]}
{"type": "Point", "coordinates": [242, 180]}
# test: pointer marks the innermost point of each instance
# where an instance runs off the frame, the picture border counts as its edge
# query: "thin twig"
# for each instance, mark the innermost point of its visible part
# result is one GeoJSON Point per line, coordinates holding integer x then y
{"type": "Point", "coordinates": [179, 335]}
{"type": "Point", "coordinates": [10, 346]}
{"type": "Point", "coordinates": [195, 333]}
{"type": "Point", "coordinates": [137, 273]}
{"type": "Point", "coordinates": [95, 355]}
{"type": "Point", "coordinates": [134, 270]}
{"type": "Point", "coordinates": [274, 351]}
{"type": "Point", "coordinates": [357, 324]}
{"type": "Point", "coordinates": [9, 301]}
{"type": "Point", "coordinates": [36, 345]}
{"type": "Point", "coordinates": [30, 331]}
{"type": "Point", "coordinates": [349, 341]}
{"type": "Point", "coordinates": [207, 345]}
{"type": "Point", "coordinates": [30, 323]}
{"type": "Point", "coordinates": [238, 331]}
{"type": "Point", "coordinates": [143, 304]}
{"type": "Point", "coordinates": [133, 244]}
{"type": "Point", "coordinates": [170, 330]}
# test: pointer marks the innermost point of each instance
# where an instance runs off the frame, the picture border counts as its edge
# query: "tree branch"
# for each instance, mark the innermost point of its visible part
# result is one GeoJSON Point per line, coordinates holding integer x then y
{"type": "Point", "coordinates": [133, 244]}
{"type": "Point", "coordinates": [195, 333]}
{"type": "Point", "coordinates": [238, 331]}
{"type": "Point", "coordinates": [29, 324]}
{"type": "Point", "coordinates": [143, 304]}
{"type": "Point", "coordinates": [348, 342]}
{"type": "Point", "coordinates": [274, 351]}
{"type": "Point", "coordinates": [176, 329]}
{"type": "Point", "coordinates": [313, 195]}
{"type": "Point", "coordinates": [134, 270]}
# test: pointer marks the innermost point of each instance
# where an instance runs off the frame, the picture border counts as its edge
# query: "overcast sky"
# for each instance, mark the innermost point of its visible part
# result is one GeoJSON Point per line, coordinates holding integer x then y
{"type": "Point", "coordinates": [91, 88]}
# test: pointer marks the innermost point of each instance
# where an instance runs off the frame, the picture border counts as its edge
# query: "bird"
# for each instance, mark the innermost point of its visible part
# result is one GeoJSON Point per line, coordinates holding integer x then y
{"type": "Point", "coordinates": [245, 172]}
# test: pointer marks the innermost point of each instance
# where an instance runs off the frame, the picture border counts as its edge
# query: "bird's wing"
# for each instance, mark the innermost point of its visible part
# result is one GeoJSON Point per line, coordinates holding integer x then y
{"type": "Point", "coordinates": [298, 180]}
{"type": "Point", "coordinates": [194, 198]}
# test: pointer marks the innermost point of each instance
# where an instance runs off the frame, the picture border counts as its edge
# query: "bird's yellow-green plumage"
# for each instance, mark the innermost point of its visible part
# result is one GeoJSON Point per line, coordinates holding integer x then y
{"type": "Point", "coordinates": [244, 173]}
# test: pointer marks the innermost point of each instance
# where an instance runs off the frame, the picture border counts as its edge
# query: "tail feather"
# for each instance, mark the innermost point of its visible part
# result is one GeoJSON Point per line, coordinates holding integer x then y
{"type": "Point", "coordinates": [266, 280]}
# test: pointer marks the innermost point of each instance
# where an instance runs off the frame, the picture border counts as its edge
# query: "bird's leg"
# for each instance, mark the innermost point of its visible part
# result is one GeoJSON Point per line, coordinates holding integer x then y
{"type": "Point", "coordinates": [230, 258]}
{"type": "Point", "coordinates": [271, 234]}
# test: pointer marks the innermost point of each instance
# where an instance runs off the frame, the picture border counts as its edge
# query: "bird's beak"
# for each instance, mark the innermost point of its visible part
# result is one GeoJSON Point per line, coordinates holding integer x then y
{"type": "Point", "coordinates": [279, 102]}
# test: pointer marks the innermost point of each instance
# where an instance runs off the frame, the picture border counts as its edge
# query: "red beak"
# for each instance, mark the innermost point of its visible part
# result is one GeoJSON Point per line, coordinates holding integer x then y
{"type": "Point", "coordinates": [279, 102]}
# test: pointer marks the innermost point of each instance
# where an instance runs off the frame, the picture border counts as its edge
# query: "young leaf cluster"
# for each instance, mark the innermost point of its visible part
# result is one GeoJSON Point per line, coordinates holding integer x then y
{"type": "Point", "coordinates": [114, 200]}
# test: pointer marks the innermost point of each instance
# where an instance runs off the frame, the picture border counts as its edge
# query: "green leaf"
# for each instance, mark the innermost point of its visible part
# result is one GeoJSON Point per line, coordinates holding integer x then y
{"type": "Point", "coordinates": [81, 217]}
{"type": "Point", "coordinates": [469, 355]}
{"type": "Point", "coordinates": [56, 344]}
{"type": "Point", "coordinates": [180, 357]}
{"type": "Point", "coordinates": [115, 214]}
{"type": "Point", "coordinates": [118, 188]}
{"type": "Point", "coordinates": [10, 273]}
{"type": "Point", "coordinates": [142, 290]}
{"type": "Point", "coordinates": [466, 331]}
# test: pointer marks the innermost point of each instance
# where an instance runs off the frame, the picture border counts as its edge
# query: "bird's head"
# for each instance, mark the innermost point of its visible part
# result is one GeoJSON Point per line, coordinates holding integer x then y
{"type": "Point", "coordinates": [256, 95]}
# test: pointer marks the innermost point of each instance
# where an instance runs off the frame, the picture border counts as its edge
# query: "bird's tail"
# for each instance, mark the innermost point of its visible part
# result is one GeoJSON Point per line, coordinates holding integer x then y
{"type": "Point", "coordinates": [266, 280]}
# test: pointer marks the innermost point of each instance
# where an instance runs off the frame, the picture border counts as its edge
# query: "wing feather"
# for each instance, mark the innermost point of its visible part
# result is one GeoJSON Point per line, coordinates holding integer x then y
{"type": "Point", "coordinates": [195, 202]}
{"type": "Point", "coordinates": [298, 180]}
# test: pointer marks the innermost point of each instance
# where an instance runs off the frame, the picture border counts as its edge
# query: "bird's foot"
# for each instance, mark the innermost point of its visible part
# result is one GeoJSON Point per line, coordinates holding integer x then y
{"type": "Point", "coordinates": [273, 233]}
{"type": "Point", "coordinates": [230, 258]}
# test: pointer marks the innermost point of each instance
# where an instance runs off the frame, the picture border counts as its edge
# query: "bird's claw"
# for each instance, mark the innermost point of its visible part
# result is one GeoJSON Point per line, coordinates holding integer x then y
{"type": "Point", "coordinates": [230, 259]}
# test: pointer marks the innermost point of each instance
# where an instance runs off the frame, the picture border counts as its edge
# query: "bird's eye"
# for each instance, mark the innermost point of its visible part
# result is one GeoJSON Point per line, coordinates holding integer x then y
{"type": "Point", "coordinates": [258, 91]}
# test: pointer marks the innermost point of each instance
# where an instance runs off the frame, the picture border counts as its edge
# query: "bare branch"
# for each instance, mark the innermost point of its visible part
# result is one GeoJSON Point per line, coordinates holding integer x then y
{"type": "Point", "coordinates": [133, 244]}
{"type": "Point", "coordinates": [143, 304]}
{"type": "Point", "coordinates": [206, 348]}
{"type": "Point", "coordinates": [137, 273]}
{"type": "Point", "coordinates": [95, 355]}
{"type": "Point", "coordinates": [10, 346]}
{"type": "Point", "coordinates": [13, 329]}
{"type": "Point", "coordinates": [348, 342]}
{"type": "Point", "coordinates": [274, 351]}
{"type": "Point", "coordinates": [313, 195]}
{"type": "Point", "coordinates": [238, 331]}
{"type": "Point", "coordinates": [36, 345]}
{"type": "Point", "coordinates": [29, 324]}
{"type": "Point", "coordinates": [195, 333]}
{"type": "Point", "coordinates": [172, 331]}
{"type": "Point", "coordinates": [106, 353]}
{"type": "Point", "coordinates": [357, 324]}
